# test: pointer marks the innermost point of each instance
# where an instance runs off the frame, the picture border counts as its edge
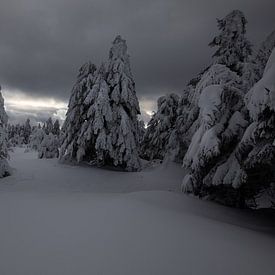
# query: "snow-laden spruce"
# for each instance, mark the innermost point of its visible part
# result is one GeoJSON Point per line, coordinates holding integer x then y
{"type": "Point", "coordinates": [249, 169]}
{"type": "Point", "coordinates": [156, 137]}
{"type": "Point", "coordinates": [36, 138]}
{"type": "Point", "coordinates": [93, 140]}
{"type": "Point", "coordinates": [189, 119]}
{"type": "Point", "coordinates": [4, 166]}
{"type": "Point", "coordinates": [222, 122]}
{"type": "Point", "coordinates": [102, 121]}
{"type": "Point", "coordinates": [76, 114]}
{"type": "Point", "coordinates": [125, 108]}
{"type": "Point", "coordinates": [237, 173]}
{"type": "Point", "coordinates": [257, 148]}
{"type": "Point", "coordinates": [233, 49]}
{"type": "Point", "coordinates": [229, 62]}
{"type": "Point", "coordinates": [49, 147]}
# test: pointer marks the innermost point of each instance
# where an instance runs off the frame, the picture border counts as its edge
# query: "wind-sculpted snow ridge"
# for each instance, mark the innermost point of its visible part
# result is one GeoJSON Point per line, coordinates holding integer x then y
{"type": "Point", "coordinates": [102, 121]}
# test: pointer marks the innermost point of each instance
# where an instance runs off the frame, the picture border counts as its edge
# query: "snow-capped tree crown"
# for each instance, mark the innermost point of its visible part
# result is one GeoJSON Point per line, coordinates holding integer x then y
{"type": "Point", "coordinates": [233, 47]}
{"type": "Point", "coordinates": [120, 78]}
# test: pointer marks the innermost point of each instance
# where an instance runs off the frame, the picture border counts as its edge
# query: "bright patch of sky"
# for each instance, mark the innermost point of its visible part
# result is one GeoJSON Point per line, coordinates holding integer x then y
{"type": "Point", "coordinates": [20, 106]}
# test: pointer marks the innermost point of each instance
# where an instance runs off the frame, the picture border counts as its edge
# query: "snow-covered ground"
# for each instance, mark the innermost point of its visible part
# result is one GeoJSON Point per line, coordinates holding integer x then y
{"type": "Point", "coordinates": [61, 219]}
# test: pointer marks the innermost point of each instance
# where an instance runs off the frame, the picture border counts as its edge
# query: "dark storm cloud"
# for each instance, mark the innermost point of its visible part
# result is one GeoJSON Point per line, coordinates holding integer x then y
{"type": "Point", "coordinates": [42, 43]}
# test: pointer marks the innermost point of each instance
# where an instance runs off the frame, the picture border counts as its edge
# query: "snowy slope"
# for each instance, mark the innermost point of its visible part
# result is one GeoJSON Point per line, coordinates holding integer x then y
{"type": "Point", "coordinates": [58, 219]}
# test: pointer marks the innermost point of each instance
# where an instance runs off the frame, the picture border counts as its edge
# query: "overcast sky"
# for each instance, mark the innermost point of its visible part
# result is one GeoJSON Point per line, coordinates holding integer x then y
{"type": "Point", "coordinates": [44, 42]}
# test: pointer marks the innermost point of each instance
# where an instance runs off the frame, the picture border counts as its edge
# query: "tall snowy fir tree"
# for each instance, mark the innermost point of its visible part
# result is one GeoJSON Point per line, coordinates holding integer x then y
{"type": "Point", "coordinates": [158, 131]}
{"type": "Point", "coordinates": [76, 114]}
{"type": "Point", "coordinates": [229, 62]}
{"type": "Point", "coordinates": [4, 166]}
{"type": "Point", "coordinates": [231, 154]}
{"type": "Point", "coordinates": [102, 127]}
{"type": "Point", "coordinates": [125, 108]}
{"type": "Point", "coordinates": [214, 115]}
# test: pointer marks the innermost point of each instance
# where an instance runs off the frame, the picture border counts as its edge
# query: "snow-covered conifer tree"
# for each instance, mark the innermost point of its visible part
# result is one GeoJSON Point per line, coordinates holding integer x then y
{"type": "Point", "coordinates": [49, 126]}
{"type": "Point", "coordinates": [233, 48]}
{"type": "Point", "coordinates": [27, 131]}
{"type": "Point", "coordinates": [155, 141]}
{"type": "Point", "coordinates": [229, 62]}
{"type": "Point", "coordinates": [36, 138]}
{"type": "Point", "coordinates": [243, 172]}
{"type": "Point", "coordinates": [125, 108]}
{"type": "Point", "coordinates": [76, 116]}
{"type": "Point", "coordinates": [4, 166]}
{"type": "Point", "coordinates": [49, 147]}
{"type": "Point", "coordinates": [56, 128]}
{"type": "Point", "coordinates": [109, 134]}
{"type": "Point", "coordinates": [256, 151]}
{"type": "Point", "coordinates": [188, 112]}
{"type": "Point", "coordinates": [222, 122]}
{"type": "Point", "coordinates": [94, 144]}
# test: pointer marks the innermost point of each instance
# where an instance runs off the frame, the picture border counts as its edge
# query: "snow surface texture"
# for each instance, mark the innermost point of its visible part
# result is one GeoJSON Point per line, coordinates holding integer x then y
{"type": "Point", "coordinates": [58, 219]}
